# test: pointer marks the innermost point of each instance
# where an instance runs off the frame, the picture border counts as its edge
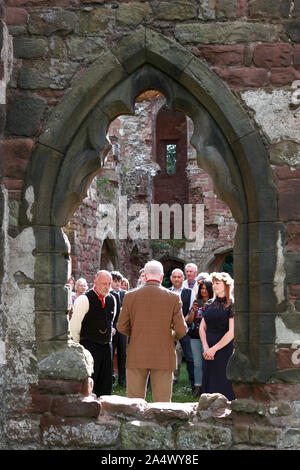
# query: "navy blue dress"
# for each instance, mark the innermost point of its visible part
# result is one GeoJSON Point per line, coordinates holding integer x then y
{"type": "Point", "coordinates": [216, 316]}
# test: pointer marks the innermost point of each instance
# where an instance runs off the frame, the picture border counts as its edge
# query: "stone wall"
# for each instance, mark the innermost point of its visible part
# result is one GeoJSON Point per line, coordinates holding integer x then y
{"type": "Point", "coordinates": [71, 418]}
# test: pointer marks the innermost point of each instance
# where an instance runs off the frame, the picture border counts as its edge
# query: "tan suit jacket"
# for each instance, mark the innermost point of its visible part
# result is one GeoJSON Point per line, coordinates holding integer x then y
{"type": "Point", "coordinates": [152, 317]}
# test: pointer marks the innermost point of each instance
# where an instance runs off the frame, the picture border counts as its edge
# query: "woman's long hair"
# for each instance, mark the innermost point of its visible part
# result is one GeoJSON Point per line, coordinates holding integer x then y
{"type": "Point", "coordinates": [209, 289]}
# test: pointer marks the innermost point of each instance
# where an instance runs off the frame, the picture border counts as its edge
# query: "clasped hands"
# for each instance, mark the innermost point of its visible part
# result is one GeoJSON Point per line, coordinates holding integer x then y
{"type": "Point", "coordinates": [209, 354]}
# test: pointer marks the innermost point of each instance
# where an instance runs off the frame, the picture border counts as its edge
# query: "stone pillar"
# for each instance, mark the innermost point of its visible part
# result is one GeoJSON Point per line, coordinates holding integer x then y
{"type": "Point", "coordinates": [52, 301]}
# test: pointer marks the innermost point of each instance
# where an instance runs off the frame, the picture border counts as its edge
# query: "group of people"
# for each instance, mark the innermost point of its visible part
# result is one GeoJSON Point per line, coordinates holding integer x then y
{"type": "Point", "coordinates": [148, 325]}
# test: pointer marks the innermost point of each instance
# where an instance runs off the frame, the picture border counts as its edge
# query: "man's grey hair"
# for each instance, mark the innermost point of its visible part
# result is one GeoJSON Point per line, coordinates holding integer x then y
{"type": "Point", "coordinates": [154, 267]}
{"type": "Point", "coordinates": [103, 271]}
{"type": "Point", "coordinates": [191, 265]}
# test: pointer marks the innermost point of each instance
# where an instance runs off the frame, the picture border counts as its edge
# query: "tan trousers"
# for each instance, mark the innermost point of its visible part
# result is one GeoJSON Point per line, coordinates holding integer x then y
{"type": "Point", "coordinates": [161, 383]}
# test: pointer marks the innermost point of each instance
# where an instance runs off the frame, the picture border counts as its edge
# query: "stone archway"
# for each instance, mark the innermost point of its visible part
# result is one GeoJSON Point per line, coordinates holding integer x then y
{"type": "Point", "coordinates": [73, 145]}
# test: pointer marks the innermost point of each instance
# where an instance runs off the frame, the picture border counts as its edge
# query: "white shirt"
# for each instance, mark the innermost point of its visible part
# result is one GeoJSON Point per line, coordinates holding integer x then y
{"type": "Point", "coordinates": [80, 308]}
{"type": "Point", "coordinates": [178, 291]}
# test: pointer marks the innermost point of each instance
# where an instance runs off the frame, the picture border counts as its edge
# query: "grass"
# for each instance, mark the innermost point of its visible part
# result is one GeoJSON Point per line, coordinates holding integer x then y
{"type": "Point", "coordinates": [182, 392]}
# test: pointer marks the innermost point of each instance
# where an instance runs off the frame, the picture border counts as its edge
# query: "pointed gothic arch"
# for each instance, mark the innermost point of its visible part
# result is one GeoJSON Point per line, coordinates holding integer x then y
{"type": "Point", "coordinates": [73, 146]}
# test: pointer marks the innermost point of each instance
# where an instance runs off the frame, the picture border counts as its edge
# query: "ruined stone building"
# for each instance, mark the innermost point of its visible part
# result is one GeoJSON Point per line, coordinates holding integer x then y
{"type": "Point", "coordinates": [124, 105]}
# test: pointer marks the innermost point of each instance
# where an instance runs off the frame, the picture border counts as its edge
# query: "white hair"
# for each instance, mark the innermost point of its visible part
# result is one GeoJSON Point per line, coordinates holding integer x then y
{"type": "Point", "coordinates": [81, 279]}
{"type": "Point", "coordinates": [191, 265]}
{"type": "Point", "coordinates": [154, 267]}
{"type": "Point", "coordinates": [177, 269]}
{"type": "Point", "coordinates": [203, 276]}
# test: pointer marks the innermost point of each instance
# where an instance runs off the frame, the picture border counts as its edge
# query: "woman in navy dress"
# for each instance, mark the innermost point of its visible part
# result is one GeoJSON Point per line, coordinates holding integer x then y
{"type": "Point", "coordinates": [216, 333]}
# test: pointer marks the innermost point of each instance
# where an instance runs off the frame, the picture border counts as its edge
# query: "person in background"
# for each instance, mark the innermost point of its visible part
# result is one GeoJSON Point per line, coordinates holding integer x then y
{"type": "Point", "coordinates": [217, 333]}
{"type": "Point", "coordinates": [119, 340]}
{"type": "Point", "coordinates": [190, 274]}
{"type": "Point", "coordinates": [142, 278]}
{"type": "Point", "coordinates": [152, 318]}
{"type": "Point", "coordinates": [91, 326]}
{"type": "Point", "coordinates": [202, 277]}
{"type": "Point", "coordinates": [193, 320]}
{"type": "Point", "coordinates": [187, 297]}
{"type": "Point", "coordinates": [125, 284]}
{"type": "Point", "coordinates": [80, 288]}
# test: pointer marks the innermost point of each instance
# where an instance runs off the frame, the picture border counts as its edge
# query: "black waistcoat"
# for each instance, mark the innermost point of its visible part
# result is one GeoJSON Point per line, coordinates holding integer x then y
{"type": "Point", "coordinates": [186, 299]}
{"type": "Point", "coordinates": [97, 323]}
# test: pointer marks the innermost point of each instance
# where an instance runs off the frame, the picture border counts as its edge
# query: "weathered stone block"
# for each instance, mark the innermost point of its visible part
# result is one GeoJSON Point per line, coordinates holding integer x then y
{"type": "Point", "coordinates": [169, 411]}
{"type": "Point", "coordinates": [51, 297]}
{"type": "Point", "coordinates": [75, 406]}
{"type": "Point", "coordinates": [76, 433]}
{"type": "Point", "coordinates": [240, 433]}
{"type": "Point", "coordinates": [51, 268]}
{"type": "Point", "coordinates": [169, 11]}
{"type": "Point", "coordinates": [84, 48]}
{"type": "Point", "coordinates": [283, 76]}
{"type": "Point", "coordinates": [272, 55]}
{"type": "Point", "coordinates": [237, 32]}
{"type": "Point", "coordinates": [47, 23]}
{"type": "Point", "coordinates": [296, 9]}
{"type": "Point", "coordinates": [72, 363]}
{"type": "Point", "coordinates": [240, 77]}
{"type": "Point", "coordinates": [207, 9]}
{"type": "Point", "coordinates": [30, 48]}
{"type": "Point", "coordinates": [51, 325]}
{"type": "Point", "coordinates": [40, 403]}
{"type": "Point", "coordinates": [122, 407]}
{"type": "Point", "coordinates": [16, 154]}
{"type": "Point", "coordinates": [274, 9]}
{"type": "Point", "coordinates": [248, 406]}
{"type": "Point", "coordinates": [292, 29]}
{"type": "Point", "coordinates": [264, 435]}
{"type": "Point", "coordinates": [24, 430]}
{"type": "Point", "coordinates": [292, 267]}
{"type": "Point", "coordinates": [24, 115]}
{"type": "Point", "coordinates": [58, 387]}
{"type": "Point", "coordinates": [97, 20]}
{"type": "Point", "coordinates": [15, 16]}
{"type": "Point", "coordinates": [51, 239]}
{"type": "Point", "coordinates": [142, 435]}
{"type": "Point", "coordinates": [224, 55]}
{"type": "Point", "coordinates": [226, 9]}
{"type": "Point", "coordinates": [132, 14]}
{"type": "Point", "coordinates": [289, 439]}
{"type": "Point", "coordinates": [289, 206]}
{"type": "Point", "coordinates": [203, 437]}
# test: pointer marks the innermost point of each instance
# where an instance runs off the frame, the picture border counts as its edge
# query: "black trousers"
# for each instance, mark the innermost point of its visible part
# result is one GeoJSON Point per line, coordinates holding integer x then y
{"type": "Point", "coordinates": [188, 354]}
{"type": "Point", "coordinates": [102, 376]}
{"type": "Point", "coordinates": [119, 343]}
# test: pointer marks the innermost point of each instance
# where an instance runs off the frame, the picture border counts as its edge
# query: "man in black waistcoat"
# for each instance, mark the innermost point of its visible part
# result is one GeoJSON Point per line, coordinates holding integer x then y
{"type": "Point", "coordinates": [91, 326]}
{"type": "Point", "coordinates": [119, 340]}
{"type": "Point", "coordinates": [187, 298]}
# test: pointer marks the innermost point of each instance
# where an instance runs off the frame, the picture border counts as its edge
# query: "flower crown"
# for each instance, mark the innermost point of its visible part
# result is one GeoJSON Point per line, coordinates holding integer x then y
{"type": "Point", "coordinates": [225, 277]}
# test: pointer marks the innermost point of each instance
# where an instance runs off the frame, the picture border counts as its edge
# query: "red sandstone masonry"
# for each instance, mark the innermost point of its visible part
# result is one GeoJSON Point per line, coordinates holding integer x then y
{"type": "Point", "coordinates": [296, 56]}
{"type": "Point", "coordinates": [17, 154]}
{"type": "Point", "coordinates": [240, 77]}
{"type": "Point", "coordinates": [283, 76]}
{"type": "Point", "coordinates": [272, 55]}
{"type": "Point", "coordinates": [15, 16]}
{"type": "Point", "coordinates": [224, 55]}
{"type": "Point", "coordinates": [293, 238]}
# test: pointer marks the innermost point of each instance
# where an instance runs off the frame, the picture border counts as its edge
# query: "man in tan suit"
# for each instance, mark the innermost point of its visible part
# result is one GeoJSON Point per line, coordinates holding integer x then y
{"type": "Point", "coordinates": [152, 318]}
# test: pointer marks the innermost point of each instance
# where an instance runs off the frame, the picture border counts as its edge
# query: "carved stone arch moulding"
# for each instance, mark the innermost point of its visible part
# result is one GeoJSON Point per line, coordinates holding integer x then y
{"type": "Point", "coordinates": [73, 145]}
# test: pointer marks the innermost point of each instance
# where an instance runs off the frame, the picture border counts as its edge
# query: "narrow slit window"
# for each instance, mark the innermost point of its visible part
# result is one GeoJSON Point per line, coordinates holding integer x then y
{"type": "Point", "coordinates": [171, 159]}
